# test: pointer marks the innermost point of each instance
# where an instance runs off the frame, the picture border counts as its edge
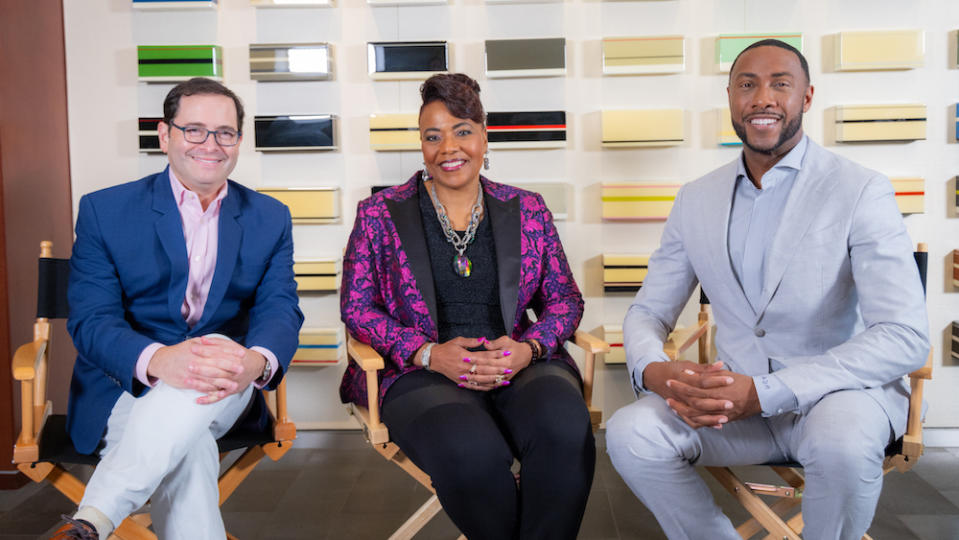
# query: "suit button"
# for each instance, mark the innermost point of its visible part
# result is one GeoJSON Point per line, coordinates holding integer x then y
{"type": "Point", "coordinates": [759, 332]}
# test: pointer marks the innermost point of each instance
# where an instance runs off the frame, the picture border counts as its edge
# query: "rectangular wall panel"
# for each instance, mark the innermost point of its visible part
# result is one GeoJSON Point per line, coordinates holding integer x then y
{"type": "Point", "coordinates": [880, 123]}
{"type": "Point", "coordinates": [893, 49]}
{"type": "Point", "coordinates": [638, 201]}
{"type": "Point", "coordinates": [728, 46]}
{"type": "Point", "coordinates": [149, 136]}
{"type": "Point", "coordinates": [646, 127]}
{"type": "Point", "coordinates": [320, 347]}
{"type": "Point", "coordinates": [541, 57]}
{"type": "Point", "coordinates": [313, 205]}
{"type": "Point", "coordinates": [624, 273]}
{"type": "Point", "coordinates": [394, 132]}
{"type": "Point", "coordinates": [910, 194]}
{"type": "Point", "coordinates": [957, 122]}
{"type": "Point", "coordinates": [174, 4]}
{"type": "Point", "coordinates": [290, 62]}
{"type": "Point", "coordinates": [290, 3]}
{"type": "Point", "coordinates": [555, 194]}
{"type": "Point", "coordinates": [526, 129]}
{"type": "Point", "coordinates": [406, 2]}
{"type": "Point", "coordinates": [727, 134]}
{"type": "Point", "coordinates": [406, 60]}
{"type": "Point", "coordinates": [317, 275]}
{"type": "Point", "coordinates": [295, 132]}
{"type": "Point", "coordinates": [641, 55]}
{"type": "Point", "coordinates": [176, 63]}
{"type": "Point", "coordinates": [613, 335]}
{"type": "Point", "coordinates": [954, 352]}
{"type": "Point", "coordinates": [955, 268]}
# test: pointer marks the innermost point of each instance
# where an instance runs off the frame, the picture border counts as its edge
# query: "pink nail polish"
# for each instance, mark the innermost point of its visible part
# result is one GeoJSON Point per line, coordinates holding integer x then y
{"type": "Point", "coordinates": [507, 353]}
{"type": "Point", "coordinates": [504, 383]}
{"type": "Point", "coordinates": [507, 371]}
{"type": "Point", "coordinates": [463, 377]}
{"type": "Point", "coordinates": [482, 340]}
{"type": "Point", "coordinates": [467, 359]}
{"type": "Point", "coordinates": [461, 385]}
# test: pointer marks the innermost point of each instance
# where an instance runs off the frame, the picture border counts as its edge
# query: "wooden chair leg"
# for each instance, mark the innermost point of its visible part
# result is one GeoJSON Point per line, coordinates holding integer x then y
{"type": "Point", "coordinates": [58, 477]}
{"type": "Point", "coordinates": [238, 472]}
{"type": "Point", "coordinates": [132, 528]}
{"type": "Point", "coordinates": [418, 520]}
{"type": "Point", "coordinates": [753, 504]}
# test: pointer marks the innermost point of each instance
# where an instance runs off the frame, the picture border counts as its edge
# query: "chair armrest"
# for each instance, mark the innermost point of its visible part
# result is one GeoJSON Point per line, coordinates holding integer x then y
{"type": "Point", "coordinates": [27, 359]}
{"type": "Point", "coordinates": [589, 342]}
{"type": "Point", "coordinates": [684, 338]}
{"type": "Point", "coordinates": [364, 355]}
{"type": "Point", "coordinates": [925, 372]}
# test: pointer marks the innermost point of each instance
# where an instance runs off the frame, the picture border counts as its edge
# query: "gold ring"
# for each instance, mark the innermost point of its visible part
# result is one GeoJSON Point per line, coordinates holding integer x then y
{"type": "Point", "coordinates": [499, 379]}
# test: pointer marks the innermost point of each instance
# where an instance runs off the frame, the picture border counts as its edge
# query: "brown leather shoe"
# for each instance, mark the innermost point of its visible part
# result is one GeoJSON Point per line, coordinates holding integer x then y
{"type": "Point", "coordinates": [75, 529]}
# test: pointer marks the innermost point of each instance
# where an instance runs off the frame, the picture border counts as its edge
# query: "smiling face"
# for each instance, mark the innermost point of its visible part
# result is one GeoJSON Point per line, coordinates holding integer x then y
{"type": "Point", "coordinates": [202, 168]}
{"type": "Point", "coordinates": [768, 94]}
{"type": "Point", "coordinates": [452, 147]}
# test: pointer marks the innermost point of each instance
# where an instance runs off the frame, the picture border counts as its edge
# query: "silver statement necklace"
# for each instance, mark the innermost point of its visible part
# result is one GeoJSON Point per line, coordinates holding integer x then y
{"type": "Point", "coordinates": [461, 263]}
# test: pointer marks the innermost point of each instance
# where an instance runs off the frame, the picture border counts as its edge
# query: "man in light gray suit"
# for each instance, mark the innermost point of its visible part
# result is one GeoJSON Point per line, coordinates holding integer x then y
{"type": "Point", "coordinates": [819, 313]}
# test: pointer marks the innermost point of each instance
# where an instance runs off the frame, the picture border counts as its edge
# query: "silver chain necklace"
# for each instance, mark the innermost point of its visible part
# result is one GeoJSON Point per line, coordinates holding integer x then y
{"type": "Point", "coordinates": [461, 263]}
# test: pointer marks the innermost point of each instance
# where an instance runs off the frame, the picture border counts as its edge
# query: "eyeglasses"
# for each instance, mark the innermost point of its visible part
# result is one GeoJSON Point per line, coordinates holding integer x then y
{"type": "Point", "coordinates": [199, 135]}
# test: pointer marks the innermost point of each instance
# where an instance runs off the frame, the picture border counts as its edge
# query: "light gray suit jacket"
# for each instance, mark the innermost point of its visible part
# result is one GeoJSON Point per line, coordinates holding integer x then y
{"type": "Point", "coordinates": [842, 305]}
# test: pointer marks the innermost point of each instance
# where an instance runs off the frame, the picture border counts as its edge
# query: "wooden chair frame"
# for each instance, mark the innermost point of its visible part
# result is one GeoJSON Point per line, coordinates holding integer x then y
{"type": "Point", "coordinates": [772, 518]}
{"type": "Point", "coordinates": [378, 435]}
{"type": "Point", "coordinates": [30, 365]}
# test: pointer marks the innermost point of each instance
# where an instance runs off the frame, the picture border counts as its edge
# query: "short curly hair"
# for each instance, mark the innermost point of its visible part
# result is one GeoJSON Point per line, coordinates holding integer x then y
{"type": "Point", "coordinates": [458, 92]}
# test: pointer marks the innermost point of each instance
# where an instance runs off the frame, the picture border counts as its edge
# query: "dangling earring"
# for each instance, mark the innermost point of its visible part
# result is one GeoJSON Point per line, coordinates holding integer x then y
{"type": "Point", "coordinates": [425, 175]}
{"type": "Point", "coordinates": [486, 161]}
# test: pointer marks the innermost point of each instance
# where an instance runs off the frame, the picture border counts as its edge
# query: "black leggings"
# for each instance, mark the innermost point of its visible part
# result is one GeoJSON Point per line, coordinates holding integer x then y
{"type": "Point", "coordinates": [466, 441]}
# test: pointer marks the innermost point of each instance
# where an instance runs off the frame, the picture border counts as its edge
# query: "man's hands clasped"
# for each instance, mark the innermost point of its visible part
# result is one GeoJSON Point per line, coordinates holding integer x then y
{"type": "Point", "coordinates": [703, 395]}
{"type": "Point", "coordinates": [214, 366]}
{"type": "Point", "coordinates": [482, 370]}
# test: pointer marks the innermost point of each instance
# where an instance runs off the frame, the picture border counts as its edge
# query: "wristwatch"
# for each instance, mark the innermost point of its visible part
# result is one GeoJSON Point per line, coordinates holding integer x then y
{"type": "Point", "coordinates": [267, 370]}
{"type": "Point", "coordinates": [425, 357]}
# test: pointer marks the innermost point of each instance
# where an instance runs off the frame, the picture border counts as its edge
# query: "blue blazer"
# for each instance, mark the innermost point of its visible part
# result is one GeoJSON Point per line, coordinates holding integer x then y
{"type": "Point", "coordinates": [128, 278]}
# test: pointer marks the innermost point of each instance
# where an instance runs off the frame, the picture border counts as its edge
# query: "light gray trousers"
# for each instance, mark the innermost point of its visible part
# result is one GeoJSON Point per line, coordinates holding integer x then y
{"type": "Point", "coordinates": [840, 442]}
{"type": "Point", "coordinates": [162, 447]}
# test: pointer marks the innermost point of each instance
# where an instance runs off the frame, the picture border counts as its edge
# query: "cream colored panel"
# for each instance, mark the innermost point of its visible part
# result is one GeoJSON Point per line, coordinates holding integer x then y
{"type": "Point", "coordinates": [613, 335]}
{"type": "Point", "coordinates": [290, 3]}
{"type": "Point", "coordinates": [555, 194]}
{"type": "Point", "coordinates": [309, 205]}
{"type": "Point", "coordinates": [727, 135]}
{"type": "Point", "coordinates": [320, 347]}
{"type": "Point", "coordinates": [638, 201]}
{"type": "Point", "coordinates": [639, 55]}
{"type": "Point", "coordinates": [877, 123]}
{"type": "Point", "coordinates": [394, 132]}
{"type": "Point", "coordinates": [910, 194]}
{"type": "Point", "coordinates": [894, 49]}
{"type": "Point", "coordinates": [317, 275]}
{"type": "Point", "coordinates": [624, 273]}
{"type": "Point", "coordinates": [647, 127]}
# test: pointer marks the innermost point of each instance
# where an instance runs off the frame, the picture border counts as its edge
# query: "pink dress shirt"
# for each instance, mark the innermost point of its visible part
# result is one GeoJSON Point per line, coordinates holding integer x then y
{"type": "Point", "coordinates": [200, 230]}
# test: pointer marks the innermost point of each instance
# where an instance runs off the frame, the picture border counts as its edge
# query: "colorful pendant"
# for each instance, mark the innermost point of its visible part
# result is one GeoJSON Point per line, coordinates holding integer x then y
{"type": "Point", "coordinates": [462, 265]}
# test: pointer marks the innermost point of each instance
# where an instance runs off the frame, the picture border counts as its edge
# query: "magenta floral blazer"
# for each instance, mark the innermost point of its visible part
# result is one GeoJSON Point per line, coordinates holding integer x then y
{"type": "Point", "coordinates": [388, 301]}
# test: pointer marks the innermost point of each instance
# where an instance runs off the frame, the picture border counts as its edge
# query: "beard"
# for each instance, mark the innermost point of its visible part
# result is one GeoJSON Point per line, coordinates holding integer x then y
{"type": "Point", "coordinates": [787, 133]}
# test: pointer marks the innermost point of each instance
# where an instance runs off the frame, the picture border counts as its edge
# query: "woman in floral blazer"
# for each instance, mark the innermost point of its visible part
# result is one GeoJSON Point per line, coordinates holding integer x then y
{"type": "Point", "coordinates": [436, 271]}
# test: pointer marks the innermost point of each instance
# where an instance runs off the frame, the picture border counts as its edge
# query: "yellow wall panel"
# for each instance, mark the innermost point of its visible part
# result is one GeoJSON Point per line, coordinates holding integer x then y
{"type": "Point", "coordinates": [727, 135]}
{"type": "Point", "coordinates": [646, 127]}
{"type": "Point", "coordinates": [394, 132]}
{"type": "Point", "coordinates": [638, 201]}
{"type": "Point", "coordinates": [319, 347]}
{"type": "Point", "coordinates": [308, 205]}
{"type": "Point", "coordinates": [624, 272]}
{"type": "Point", "coordinates": [639, 55]}
{"type": "Point", "coordinates": [613, 335]}
{"type": "Point", "coordinates": [878, 123]}
{"type": "Point", "coordinates": [317, 275]}
{"type": "Point", "coordinates": [894, 49]}
{"type": "Point", "coordinates": [910, 194]}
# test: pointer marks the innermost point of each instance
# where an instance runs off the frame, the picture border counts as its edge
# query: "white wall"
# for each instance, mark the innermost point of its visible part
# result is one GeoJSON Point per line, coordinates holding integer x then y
{"type": "Point", "coordinates": [105, 100]}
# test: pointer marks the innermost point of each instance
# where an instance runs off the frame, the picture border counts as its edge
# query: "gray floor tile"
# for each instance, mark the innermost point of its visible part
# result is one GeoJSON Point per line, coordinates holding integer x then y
{"type": "Point", "coordinates": [933, 527]}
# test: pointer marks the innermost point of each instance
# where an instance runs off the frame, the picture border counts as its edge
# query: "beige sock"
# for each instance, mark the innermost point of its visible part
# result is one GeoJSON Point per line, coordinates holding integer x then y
{"type": "Point", "coordinates": [98, 519]}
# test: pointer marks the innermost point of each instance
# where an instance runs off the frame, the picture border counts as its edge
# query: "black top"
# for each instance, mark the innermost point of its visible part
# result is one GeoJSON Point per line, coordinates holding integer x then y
{"type": "Point", "coordinates": [465, 306]}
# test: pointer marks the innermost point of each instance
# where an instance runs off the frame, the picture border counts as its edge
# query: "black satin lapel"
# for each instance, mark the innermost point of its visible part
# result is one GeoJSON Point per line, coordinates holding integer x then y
{"type": "Point", "coordinates": [505, 220]}
{"type": "Point", "coordinates": [409, 225]}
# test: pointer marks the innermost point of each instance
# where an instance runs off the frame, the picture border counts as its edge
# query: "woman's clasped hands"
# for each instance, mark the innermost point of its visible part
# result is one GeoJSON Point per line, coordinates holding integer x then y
{"type": "Point", "coordinates": [484, 370]}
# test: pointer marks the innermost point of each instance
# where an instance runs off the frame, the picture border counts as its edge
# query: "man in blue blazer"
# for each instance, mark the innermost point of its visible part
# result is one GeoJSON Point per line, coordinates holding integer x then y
{"type": "Point", "coordinates": [819, 313]}
{"type": "Point", "coordinates": [182, 302]}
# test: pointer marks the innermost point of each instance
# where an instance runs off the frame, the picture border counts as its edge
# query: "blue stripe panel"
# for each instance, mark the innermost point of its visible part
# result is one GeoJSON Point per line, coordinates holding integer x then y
{"type": "Point", "coordinates": [957, 121]}
{"type": "Point", "coordinates": [307, 346]}
{"type": "Point", "coordinates": [170, 1]}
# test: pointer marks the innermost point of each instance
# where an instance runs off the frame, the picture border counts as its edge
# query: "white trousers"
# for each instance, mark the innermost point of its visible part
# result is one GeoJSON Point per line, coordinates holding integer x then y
{"type": "Point", "coordinates": [840, 442]}
{"type": "Point", "coordinates": [162, 446]}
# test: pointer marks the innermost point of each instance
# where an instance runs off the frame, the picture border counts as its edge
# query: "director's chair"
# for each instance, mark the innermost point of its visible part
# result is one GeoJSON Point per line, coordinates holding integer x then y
{"type": "Point", "coordinates": [44, 447]}
{"type": "Point", "coordinates": [378, 435]}
{"type": "Point", "coordinates": [774, 518]}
